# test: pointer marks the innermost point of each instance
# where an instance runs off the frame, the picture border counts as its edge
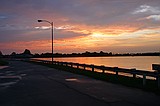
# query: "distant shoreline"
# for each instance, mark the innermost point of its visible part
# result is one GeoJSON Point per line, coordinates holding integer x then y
{"type": "Point", "coordinates": [85, 54]}
{"type": "Point", "coordinates": [95, 54]}
{"type": "Point", "coordinates": [90, 56]}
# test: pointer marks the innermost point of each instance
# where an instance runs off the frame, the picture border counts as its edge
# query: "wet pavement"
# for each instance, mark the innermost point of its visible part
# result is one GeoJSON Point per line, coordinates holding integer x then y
{"type": "Point", "coordinates": [26, 84]}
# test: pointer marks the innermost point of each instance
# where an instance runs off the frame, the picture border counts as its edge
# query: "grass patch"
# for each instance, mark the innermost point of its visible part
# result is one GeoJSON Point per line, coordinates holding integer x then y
{"type": "Point", "coordinates": [3, 62]}
{"type": "Point", "coordinates": [151, 85]}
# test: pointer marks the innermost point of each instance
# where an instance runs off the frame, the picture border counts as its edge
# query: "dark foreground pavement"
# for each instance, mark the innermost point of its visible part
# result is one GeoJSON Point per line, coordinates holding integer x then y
{"type": "Point", "coordinates": [25, 84]}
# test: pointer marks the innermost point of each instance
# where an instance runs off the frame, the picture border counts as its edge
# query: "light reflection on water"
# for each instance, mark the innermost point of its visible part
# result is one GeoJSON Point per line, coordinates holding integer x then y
{"type": "Point", "coordinates": [138, 62]}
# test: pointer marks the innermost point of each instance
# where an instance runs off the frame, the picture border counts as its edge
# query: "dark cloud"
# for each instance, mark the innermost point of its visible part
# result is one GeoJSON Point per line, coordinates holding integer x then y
{"type": "Point", "coordinates": [91, 12]}
{"type": "Point", "coordinates": [59, 34]}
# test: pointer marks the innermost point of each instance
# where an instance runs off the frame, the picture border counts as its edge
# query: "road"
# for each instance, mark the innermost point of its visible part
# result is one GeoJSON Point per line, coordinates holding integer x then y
{"type": "Point", "coordinates": [26, 84]}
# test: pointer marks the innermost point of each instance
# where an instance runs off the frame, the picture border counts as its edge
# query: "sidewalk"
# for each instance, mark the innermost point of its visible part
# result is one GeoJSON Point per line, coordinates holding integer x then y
{"type": "Point", "coordinates": [26, 84]}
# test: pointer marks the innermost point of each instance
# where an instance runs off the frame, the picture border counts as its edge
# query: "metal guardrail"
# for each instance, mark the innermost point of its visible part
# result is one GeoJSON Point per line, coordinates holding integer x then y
{"type": "Point", "coordinates": [104, 69]}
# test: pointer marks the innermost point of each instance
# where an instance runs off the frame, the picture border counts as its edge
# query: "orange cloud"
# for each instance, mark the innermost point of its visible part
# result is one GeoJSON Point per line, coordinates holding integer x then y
{"type": "Point", "coordinates": [105, 30]}
{"type": "Point", "coordinates": [32, 45]}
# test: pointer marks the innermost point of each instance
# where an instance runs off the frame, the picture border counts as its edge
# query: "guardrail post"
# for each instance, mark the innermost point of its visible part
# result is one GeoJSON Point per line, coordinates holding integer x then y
{"type": "Point", "coordinates": [84, 67]}
{"type": "Point", "coordinates": [103, 70]}
{"type": "Point", "coordinates": [92, 67]}
{"type": "Point", "coordinates": [66, 64]}
{"type": "Point", "coordinates": [133, 72]}
{"type": "Point", "coordinates": [62, 63]}
{"type": "Point", "coordinates": [116, 70]}
{"type": "Point", "coordinates": [71, 64]}
{"type": "Point", "coordinates": [77, 65]}
{"type": "Point", "coordinates": [156, 67]}
{"type": "Point", "coordinates": [144, 79]}
{"type": "Point", "coordinates": [158, 80]}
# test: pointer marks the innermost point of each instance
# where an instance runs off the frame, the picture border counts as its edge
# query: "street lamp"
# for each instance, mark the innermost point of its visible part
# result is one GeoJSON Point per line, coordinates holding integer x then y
{"type": "Point", "coordinates": [52, 30]}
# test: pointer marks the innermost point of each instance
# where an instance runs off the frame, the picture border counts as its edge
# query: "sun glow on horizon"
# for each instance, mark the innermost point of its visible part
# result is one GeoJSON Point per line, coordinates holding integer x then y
{"type": "Point", "coordinates": [97, 35]}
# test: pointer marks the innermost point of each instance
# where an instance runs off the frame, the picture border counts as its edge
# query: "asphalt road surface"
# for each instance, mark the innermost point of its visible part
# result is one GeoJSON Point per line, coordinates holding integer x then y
{"type": "Point", "coordinates": [26, 84]}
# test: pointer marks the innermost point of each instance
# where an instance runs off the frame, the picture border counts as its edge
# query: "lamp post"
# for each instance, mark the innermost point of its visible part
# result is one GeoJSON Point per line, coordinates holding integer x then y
{"type": "Point", "coordinates": [52, 31]}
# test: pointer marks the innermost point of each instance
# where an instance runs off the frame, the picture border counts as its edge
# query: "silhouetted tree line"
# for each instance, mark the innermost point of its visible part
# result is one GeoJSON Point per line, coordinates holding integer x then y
{"type": "Point", "coordinates": [28, 54]}
{"type": "Point", "coordinates": [25, 54]}
{"type": "Point", "coordinates": [95, 54]}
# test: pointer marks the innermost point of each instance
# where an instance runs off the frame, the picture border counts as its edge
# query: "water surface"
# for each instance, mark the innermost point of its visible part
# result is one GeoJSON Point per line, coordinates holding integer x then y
{"type": "Point", "coordinates": [138, 62]}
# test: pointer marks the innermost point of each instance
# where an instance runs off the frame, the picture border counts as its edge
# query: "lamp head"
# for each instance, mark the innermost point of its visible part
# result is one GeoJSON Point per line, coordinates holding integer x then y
{"type": "Point", "coordinates": [39, 20]}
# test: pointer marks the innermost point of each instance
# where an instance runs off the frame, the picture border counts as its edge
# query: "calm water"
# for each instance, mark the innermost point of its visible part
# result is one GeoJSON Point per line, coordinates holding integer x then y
{"type": "Point", "coordinates": [138, 62]}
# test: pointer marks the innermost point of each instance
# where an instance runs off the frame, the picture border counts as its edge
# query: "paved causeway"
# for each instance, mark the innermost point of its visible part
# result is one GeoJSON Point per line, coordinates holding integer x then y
{"type": "Point", "coordinates": [26, 84]}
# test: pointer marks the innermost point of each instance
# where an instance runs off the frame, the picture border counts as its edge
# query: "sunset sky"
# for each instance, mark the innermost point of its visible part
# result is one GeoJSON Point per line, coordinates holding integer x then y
{"type": "Point", "coordinates": [117, 26]}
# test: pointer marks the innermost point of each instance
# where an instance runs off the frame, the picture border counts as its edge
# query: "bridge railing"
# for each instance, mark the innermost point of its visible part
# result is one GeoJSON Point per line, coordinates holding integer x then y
{"type": "Point", "coordinates": [104, 69]}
